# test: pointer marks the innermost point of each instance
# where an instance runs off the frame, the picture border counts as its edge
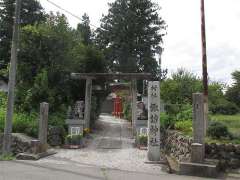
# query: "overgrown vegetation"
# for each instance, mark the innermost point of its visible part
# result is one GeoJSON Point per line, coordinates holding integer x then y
{"type": "Point", "coordinates": [143, 140]}
{"type": "Point", "coordinates": [50, 51]}
{"type": "Point", "coordinates": [74, 139]}
{"type": "Point", "coordinates": [7, 157]}
{"type": "Point", "coordinates": [224, 121]}
{"type": "Point", "coordinates": [231, 121]}
{"type": "Point", "coordinates": [218, 130]}
{"type": "Point", "coordinates": [185, 126]}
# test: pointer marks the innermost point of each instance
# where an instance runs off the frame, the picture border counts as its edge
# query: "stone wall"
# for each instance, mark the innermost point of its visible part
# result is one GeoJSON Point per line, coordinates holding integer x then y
{"type": "Point", "coordinates": [20, 143]}
{"type": "Point", "coordinates": [176, 145]}
{"type": "Point", "coordinates": [227, 154]}
{"type": "Point", "coordinates": [56, 136]}
{"type": "Point", "coordinates": [179, 146]}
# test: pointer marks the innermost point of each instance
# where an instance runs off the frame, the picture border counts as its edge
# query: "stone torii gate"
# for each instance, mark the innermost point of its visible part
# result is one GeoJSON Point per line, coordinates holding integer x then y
{"type": "Point", "coordinates": [89, 77]}
{"type": "Point", "coordinates": [153, 104]}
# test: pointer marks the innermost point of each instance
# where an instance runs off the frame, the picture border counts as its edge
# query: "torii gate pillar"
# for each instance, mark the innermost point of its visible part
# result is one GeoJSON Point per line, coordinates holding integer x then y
{"type": "Point", "coordinates": [88, 97]}
{"type": "Point", "coordinates": [134, 105]}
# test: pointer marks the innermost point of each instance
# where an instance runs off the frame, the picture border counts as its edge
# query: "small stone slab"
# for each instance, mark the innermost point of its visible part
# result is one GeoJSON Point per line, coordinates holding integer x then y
{"type": "Point", "coordinates": [107, 143]}
{"type": "Point", "coordinates": [173, 164]}
{"type": "Point", "coordinates": [198, 169]}
{"type": "Point", "coordinates": [156, 162]}
{"type": "Point", "coordinates": [34, 157]}
{"type": "Point", "coordinates": [142, 147]}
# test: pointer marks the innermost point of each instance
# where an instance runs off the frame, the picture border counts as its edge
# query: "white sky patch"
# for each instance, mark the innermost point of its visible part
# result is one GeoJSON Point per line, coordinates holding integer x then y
{"type": "Point", "coordinates": [182, 45]}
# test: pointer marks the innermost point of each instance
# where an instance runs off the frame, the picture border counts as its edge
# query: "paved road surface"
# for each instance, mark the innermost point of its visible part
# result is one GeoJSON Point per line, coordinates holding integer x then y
{"type": "Point", "coordinates": [73, 171]}
{"type": "Point", "coordinates": [110, 155]}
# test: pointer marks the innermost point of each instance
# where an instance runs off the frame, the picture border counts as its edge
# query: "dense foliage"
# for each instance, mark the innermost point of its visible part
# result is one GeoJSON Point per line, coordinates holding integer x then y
{"type": "Point", "coordinates": [218, 130]}
{"type": "Point", "coordinates": [177, 91]}
{"type": "Point", "coordinates": [74, 139]}
{"type": "Point", "coordinates": [49, 51]}
{"type": "Point", "coordinates": [31, 13]}
{"type": "Point", "coordinates": [131, 35]}
{"type": "Point", "coordinates": [233, 92]}
{"type": "Point", "coordinates": [185, 126]}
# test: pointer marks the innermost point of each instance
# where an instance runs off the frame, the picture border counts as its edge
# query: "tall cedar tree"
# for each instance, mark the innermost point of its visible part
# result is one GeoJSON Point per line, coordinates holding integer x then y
{"type": "Point", "coordinates": [84, 30]}
{"type": "Point", "coordinates": [31, 13]}
{"type": "Point", "coordinates": [131, 35]}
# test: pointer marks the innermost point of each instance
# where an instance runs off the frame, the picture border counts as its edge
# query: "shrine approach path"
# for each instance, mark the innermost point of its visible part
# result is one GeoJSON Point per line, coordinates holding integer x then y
{"type": "Point", "coordinates": [111, 146]}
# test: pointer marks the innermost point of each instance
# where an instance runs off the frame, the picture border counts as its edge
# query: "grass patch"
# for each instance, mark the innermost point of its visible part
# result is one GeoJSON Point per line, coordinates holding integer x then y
{"type": "Point", "coordinates": [8, 157]}
{"type": "Point", "coordinates": [222, 141]}
{"type": "Point", "coordinates": [185, 127]}
{"type": "Point", "coordinates": [231, 121]}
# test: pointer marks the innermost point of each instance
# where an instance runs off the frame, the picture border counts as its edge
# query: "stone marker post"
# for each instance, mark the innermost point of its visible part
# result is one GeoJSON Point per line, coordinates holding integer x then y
{"type": "Point", "coordinates": [134, 105]}
{"type": "Point", "coordinates": [88, 97]}
{"type": "Point", "coordinates": [198, 149]}
{"type": "Point", "coordinates": [43, 126]}
{"type": "Point", "coordinates": [153, 121]}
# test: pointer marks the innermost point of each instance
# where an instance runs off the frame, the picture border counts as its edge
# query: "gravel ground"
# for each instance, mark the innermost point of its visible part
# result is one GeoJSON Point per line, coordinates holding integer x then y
{"type": "Point", "coordinates": [111, 146]}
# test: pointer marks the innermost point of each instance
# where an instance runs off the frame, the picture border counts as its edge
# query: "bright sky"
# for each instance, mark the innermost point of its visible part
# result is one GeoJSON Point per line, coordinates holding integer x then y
{"type": "Point", "coordinates": [183, 42]}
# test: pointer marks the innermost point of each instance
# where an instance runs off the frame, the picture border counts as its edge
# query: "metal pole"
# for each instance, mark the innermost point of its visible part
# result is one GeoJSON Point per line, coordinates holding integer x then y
{"type": "Point", "coordinates": [12, 80]}
{"type": "Point", "coordinates": [204, 63]}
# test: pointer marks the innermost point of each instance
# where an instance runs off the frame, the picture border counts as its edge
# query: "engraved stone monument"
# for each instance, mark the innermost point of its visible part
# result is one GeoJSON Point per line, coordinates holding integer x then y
{"type": "Point", "coordinates": [153, 121]}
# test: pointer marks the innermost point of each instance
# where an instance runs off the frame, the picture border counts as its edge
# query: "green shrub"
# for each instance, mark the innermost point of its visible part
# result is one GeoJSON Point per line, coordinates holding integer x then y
{"type": "Point", "coordinates": [186, 113]}
{"type": "Point", "coordinates": [224, 107]}
{"type": "Point", "coordinates": [57, 119]}
{"type": "Point", "coordinates": [172, 109]}
{"type": "Point", "coordinates": [127, 111]}
{"type": "Point", "coordinates": [184, 126]}
{"type": "Point", "coordinates": [74, 139]}
{"type": "Point", "coordinates": [26, 123]}
{"type": "Point", "coordinates": [22, 123]}
{"type": "Point", "coordinates": [7, 157]}
{"type": "Point", "coordinates": [166, 121]}
{"type": "Point", "coordinates": [218, 130]}
{"type": "Point", "coordinates": [2, 119]}
{"type": "Point", "coordinates": [3, 99]}
{"type": "Point", "coordinates": [143, 140]}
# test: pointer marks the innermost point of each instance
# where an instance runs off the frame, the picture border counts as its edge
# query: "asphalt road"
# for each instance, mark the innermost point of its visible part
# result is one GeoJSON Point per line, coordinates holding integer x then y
{"type": "Point", "coordinates": [22, 170]}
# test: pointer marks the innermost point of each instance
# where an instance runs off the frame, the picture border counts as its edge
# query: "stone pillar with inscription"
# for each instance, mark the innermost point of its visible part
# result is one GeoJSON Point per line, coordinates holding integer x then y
{"type": "Point", "coordinates": [43, 126]}
{"type": "Point", "coordinates": [197, 154]}
{"type": "Point", "coordinates": [153, 121]}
